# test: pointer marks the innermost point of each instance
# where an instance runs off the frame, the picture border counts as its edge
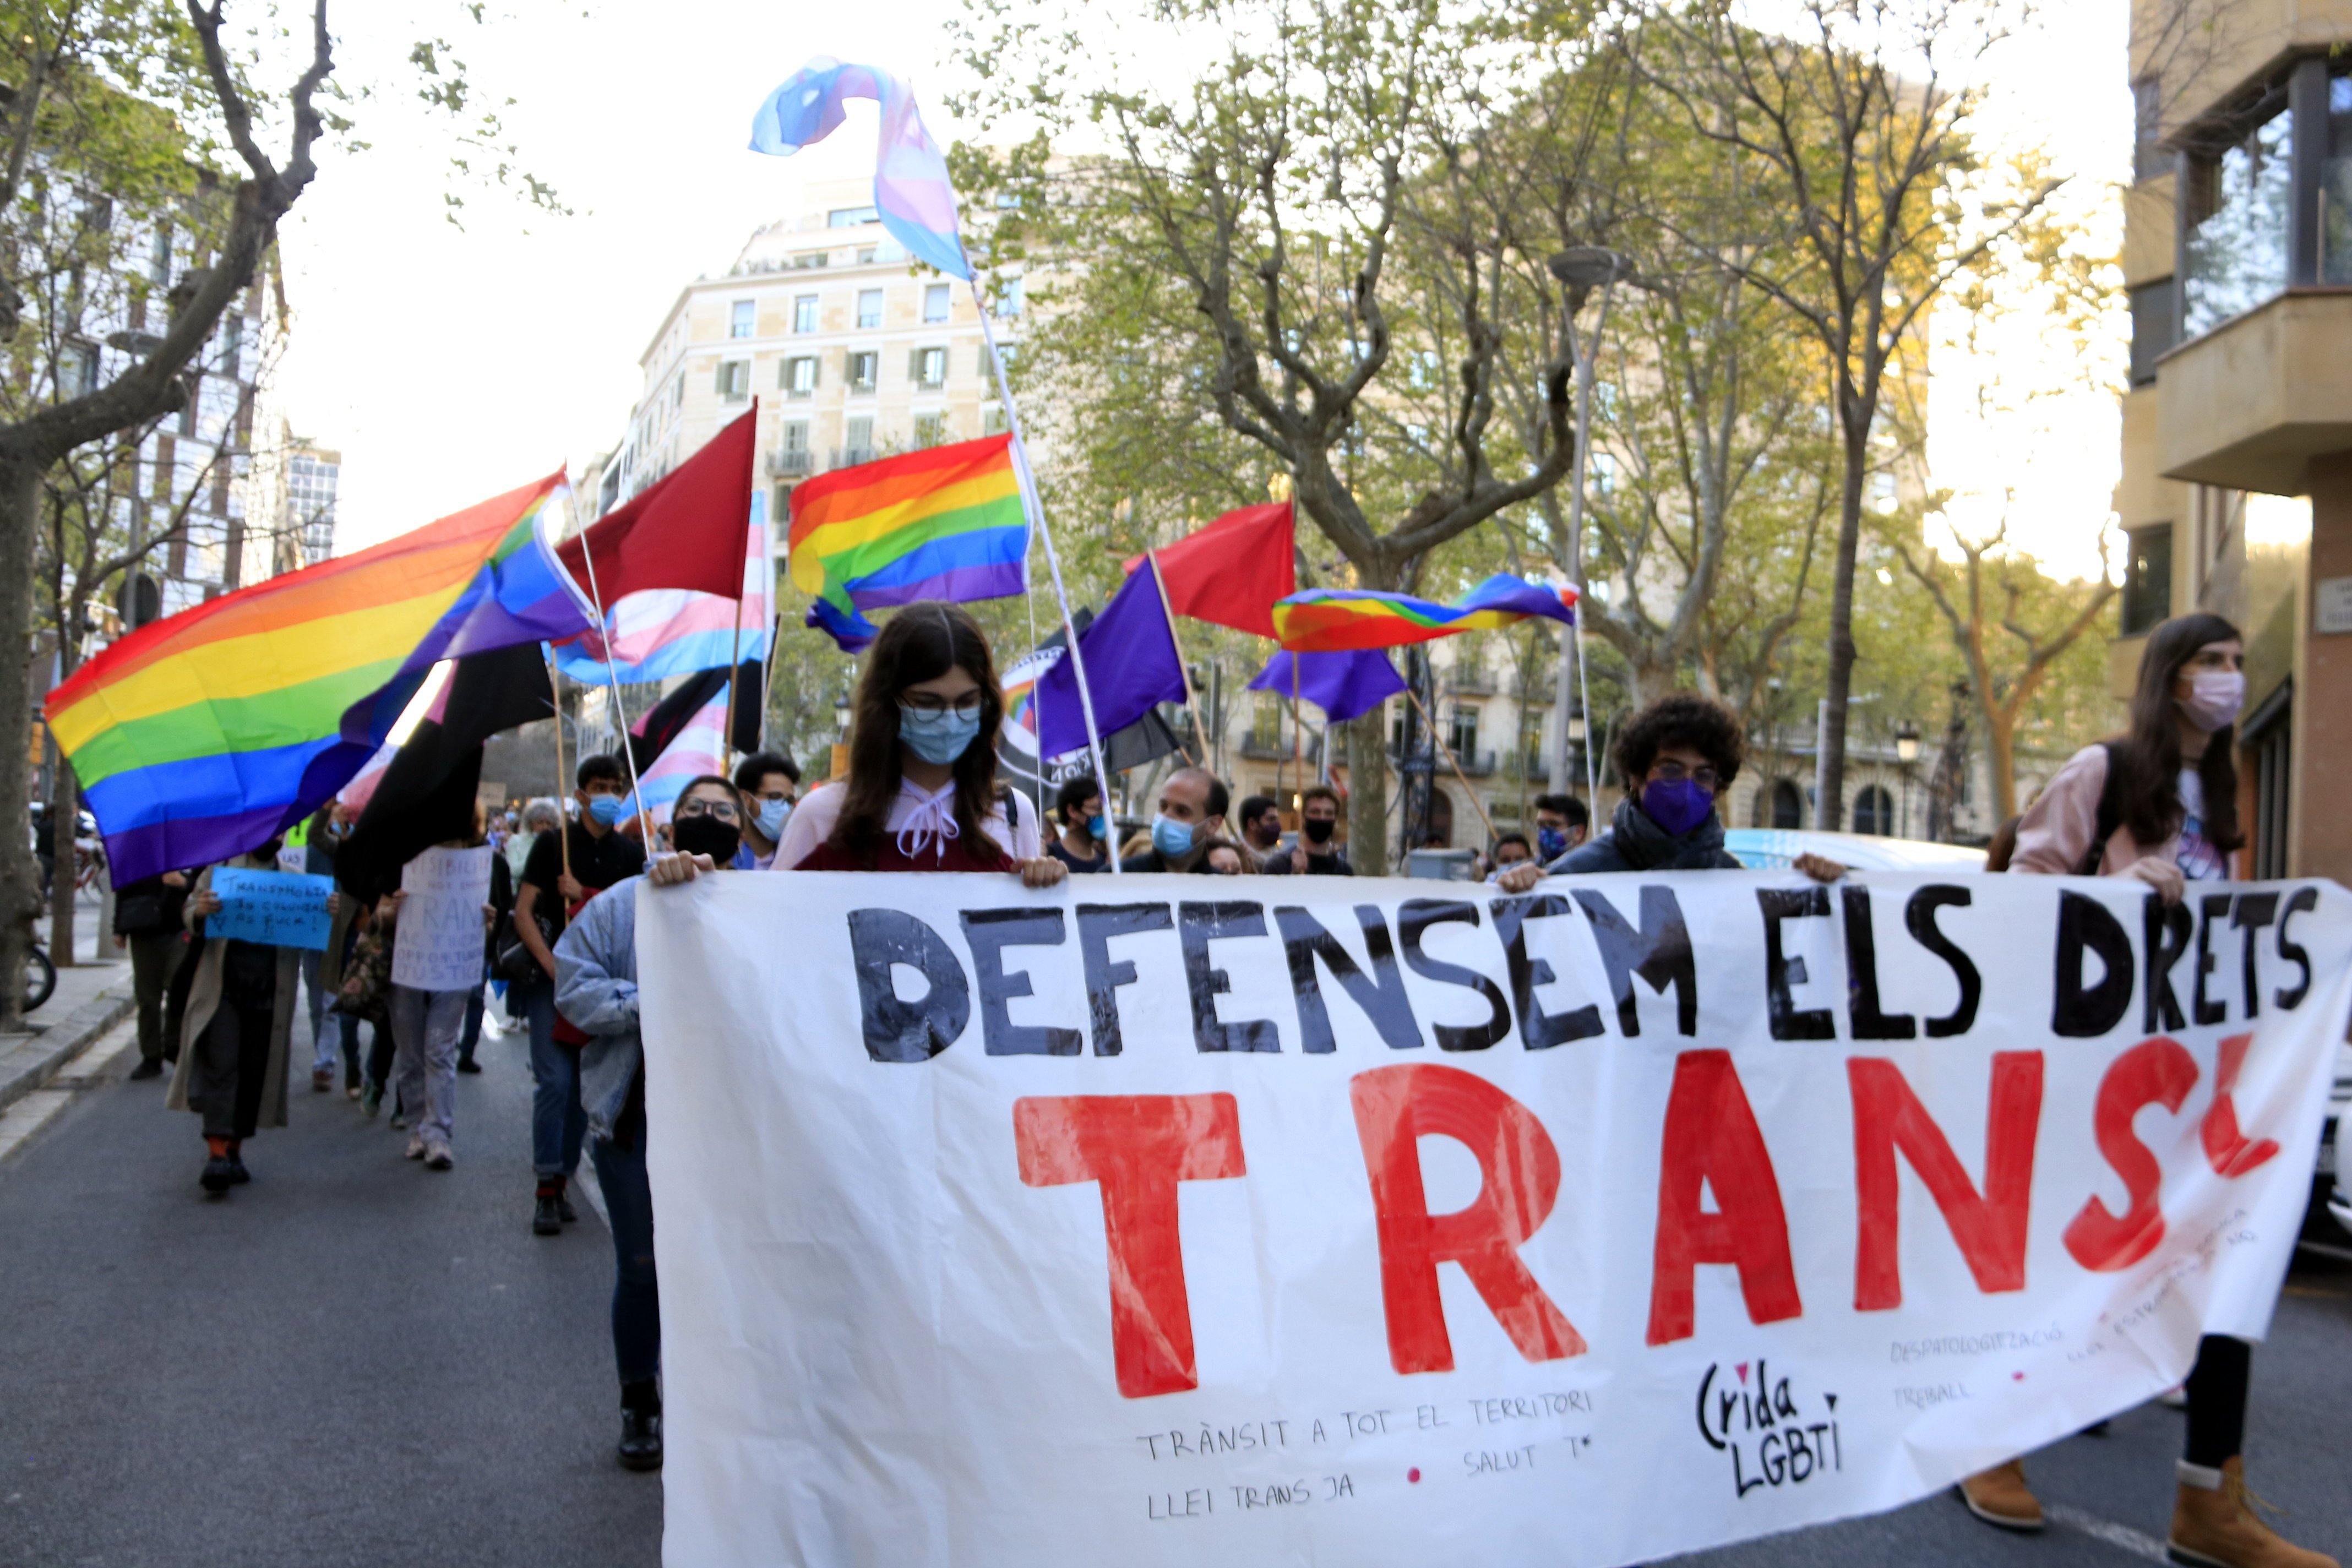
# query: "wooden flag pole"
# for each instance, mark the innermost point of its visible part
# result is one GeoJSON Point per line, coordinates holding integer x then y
{"type": "Point", "coordinates": [1200, 730]}
{"type": "Point", "coordinates": [1439, 741]}
{"type": "Point", "coordinates": [620, 712]}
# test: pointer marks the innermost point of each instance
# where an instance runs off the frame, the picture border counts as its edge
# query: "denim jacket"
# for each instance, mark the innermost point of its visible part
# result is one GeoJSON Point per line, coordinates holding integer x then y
{"type": "Point", "coordinates": [597, 988]}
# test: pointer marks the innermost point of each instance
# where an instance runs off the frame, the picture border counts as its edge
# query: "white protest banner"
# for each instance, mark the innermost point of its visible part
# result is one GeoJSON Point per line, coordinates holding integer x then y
{"type": "Point", "coordinates": [438, 943]}
{"type": "Point", "coordinates": [1367, 1222]}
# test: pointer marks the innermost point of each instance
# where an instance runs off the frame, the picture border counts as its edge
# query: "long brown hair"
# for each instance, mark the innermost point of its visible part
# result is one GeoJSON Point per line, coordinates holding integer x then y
{"type": "Point", "coordinates": [923, 641]}
{"type": "Point", "coordinates": [2145, 762]}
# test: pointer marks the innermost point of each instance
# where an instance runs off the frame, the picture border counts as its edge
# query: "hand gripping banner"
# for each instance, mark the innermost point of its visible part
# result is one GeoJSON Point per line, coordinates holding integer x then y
{"type": "Point", "coordinates": [1383, 1221]}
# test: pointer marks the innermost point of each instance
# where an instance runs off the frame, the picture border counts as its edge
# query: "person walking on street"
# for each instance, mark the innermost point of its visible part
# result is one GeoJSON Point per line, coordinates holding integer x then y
{"type": "Point", "coordinates": [1316, 854]}
{"type": "Point", "coordinates": [330, 825]}
{"type": "Point", "coordinates": [235, 1033]}
{"type": "Point", "coordinates": [425, 1030]}
{"type": "Point", "coordinates": [566, 868]}
{"type": "Point", "coordinates": [150, 918]}
{"type": "Point", "coordinates": [2159, 804]}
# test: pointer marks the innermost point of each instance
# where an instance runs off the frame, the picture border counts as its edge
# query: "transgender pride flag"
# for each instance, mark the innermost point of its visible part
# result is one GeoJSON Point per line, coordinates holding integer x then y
{"type": "Point", "coordinates": [664, 632]}
{"type": "Point", "coordinates": [694, 752]}
{"type": "Point", "coordinates": [911, 190]}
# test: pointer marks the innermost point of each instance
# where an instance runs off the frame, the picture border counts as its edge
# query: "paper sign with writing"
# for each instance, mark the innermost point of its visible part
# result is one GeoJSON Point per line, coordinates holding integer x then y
{"type": "Point", "coordinates": [1315, 1221]}
{"type": "Point", "coordinates": [438, 944]}
{"type": "Point", "coordinates": [278, 908]}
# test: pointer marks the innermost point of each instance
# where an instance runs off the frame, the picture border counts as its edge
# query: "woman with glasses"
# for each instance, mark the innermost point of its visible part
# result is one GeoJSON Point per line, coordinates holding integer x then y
{"type": "Point", "coordinates": [921, 793]}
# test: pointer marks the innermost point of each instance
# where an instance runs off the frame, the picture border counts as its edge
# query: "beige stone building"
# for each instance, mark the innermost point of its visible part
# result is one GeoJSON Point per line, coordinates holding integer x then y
{"type": "Point", "coordinates": [2237, 431]}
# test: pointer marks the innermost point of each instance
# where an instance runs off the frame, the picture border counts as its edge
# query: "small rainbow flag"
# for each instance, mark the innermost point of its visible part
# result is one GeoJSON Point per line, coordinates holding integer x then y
{"type": "Point", "coordinates": [942, 524]}
{"type": "Point", "coordinates": [1343, 620]}
{"type": "Point", "coordinates": [197, 737]}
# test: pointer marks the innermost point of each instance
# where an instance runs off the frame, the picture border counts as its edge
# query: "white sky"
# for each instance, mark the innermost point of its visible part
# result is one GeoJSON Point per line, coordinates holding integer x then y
{"type": "Point", "coordinates": [449, 365]}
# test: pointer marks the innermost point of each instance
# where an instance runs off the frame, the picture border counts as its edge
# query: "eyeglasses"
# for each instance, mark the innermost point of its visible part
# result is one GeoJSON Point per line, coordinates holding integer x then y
{"type": "Point", "coordinates": [718, 808]}
{"type": "Point", "coordinates": [1668, 772]}
{"type": "Point", "coordinates": [964, 707]}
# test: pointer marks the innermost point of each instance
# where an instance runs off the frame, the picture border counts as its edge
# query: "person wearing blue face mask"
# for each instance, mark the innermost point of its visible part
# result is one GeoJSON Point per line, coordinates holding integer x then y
{"type": "Point", "coordinates": [1677, 756]}
{"type": "Point", "coordinates": [1193, 805]}
{"type": "Point", "coordinates": [1562, 824]}
{"type": "Point", "coordinates": [1084, 842]}
{"type": "Point", "coordinates": [768, 783]}
{"type": "Point", "coordinates": [563, 872]}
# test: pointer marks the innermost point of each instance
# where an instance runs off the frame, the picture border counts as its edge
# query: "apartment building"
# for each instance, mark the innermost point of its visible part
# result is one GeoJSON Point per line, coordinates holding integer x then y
{"type": "Point", "coordinates": [851, 352]}
{"type": "Point", "coordinates": [2237, 430]}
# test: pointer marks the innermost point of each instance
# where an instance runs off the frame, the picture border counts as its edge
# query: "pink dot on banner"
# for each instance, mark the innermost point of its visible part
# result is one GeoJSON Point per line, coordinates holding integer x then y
{"type": "Point", "coordinates": [1413, 1476]}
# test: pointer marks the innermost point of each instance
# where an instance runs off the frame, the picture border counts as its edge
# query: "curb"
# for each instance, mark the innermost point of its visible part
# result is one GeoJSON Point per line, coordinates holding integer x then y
{"type": "Point", "coordinates": [28, 1062]}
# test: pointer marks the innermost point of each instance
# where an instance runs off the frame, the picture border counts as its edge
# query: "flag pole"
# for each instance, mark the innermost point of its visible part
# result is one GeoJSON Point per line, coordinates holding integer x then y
{"type": "Point", "coordinates": [1036, 507]}
{"type": "Point", "coordinates": [1200, 730]}
{"type": "Point", "coordinates": [555, 700]}
{"type": "Point", "coordinates": [735, 657]}
{"type": "Point", "coordinates": [620, 709]}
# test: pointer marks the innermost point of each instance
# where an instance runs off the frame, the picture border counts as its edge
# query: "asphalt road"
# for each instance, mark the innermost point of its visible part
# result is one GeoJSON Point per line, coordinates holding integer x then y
{"type": "Point", "coordinates": [354, 1361]}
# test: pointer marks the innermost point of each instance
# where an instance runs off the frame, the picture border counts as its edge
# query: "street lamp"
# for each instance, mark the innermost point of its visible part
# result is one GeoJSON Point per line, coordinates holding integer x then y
{"type": "Point", "coordinates": [1582, 269]}
{"type": "Point", "coordinates": [1906, 751]}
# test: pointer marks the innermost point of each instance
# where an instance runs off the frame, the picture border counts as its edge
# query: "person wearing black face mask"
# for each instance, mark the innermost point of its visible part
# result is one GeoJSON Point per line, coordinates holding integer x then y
{"type": "Point", "coordinates": [596, 990]}
{"type": "Point", "coordinates": [1315, 854]}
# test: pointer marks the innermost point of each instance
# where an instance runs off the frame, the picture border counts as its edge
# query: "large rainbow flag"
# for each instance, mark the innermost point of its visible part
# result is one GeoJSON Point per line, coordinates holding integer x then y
{"type": "Point", "coordinates": [199, 736]}
{"type": "Point", "coordinates": [942, 524]}
{"type": "Point", "coordinates": [1343, 620]}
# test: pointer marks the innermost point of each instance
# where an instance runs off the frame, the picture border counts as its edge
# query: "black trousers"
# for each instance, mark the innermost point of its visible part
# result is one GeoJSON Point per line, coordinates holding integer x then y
{"type": "Point", "coordinates": [2217, 1400]}
{"type": "Point", "coordinates": [232, 1058]}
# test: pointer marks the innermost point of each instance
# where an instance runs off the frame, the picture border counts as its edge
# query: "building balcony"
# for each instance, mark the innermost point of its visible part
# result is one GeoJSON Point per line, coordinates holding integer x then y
{"type": "Point", "coordinates": [1274, 749]}
{"type": "Point", "coordinates": [2248, 404]}
{"type": "Point", "coordinates": [791, 463]}
{"type": "Point", "coordinates": [850, 457]}
{"type": "Point", "coordinates": [1474, 764]}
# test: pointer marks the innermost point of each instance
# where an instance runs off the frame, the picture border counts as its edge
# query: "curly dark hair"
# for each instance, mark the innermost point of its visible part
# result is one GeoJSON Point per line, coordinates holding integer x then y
{"type": "Point", "coordinates": [1683, 718]}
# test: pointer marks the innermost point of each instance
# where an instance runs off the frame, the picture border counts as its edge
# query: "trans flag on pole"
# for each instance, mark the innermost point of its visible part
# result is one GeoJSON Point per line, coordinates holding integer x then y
{"type": "Point", "coordinates": [911, 190]}
{"type": "Point", "coordinates": [662, 632]}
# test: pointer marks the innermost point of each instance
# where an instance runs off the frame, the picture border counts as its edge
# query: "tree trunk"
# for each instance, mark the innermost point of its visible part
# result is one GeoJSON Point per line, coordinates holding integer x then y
{"type": "Point", "coordinates": [20, 876]}
{"type": "Point", "coordinates": [1368, 792]}
{"type": "Point", "coordinates": [65, 815]}
{"type": "Point", "coordinates": [2000, 759]}
{"type": "Point", "coordinates": [1829, 810]}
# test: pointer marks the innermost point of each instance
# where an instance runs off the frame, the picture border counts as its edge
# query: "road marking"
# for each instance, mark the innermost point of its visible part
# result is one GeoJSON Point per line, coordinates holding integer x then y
{"type": "Point", "coordinates": [2123, 1537]}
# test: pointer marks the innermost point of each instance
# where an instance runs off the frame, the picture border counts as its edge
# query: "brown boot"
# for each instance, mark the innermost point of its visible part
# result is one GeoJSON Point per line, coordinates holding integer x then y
{"type": "Point", "coordinates": [1999, 1495]}
{"type": "Point", "coordinates": [2214, 1525]}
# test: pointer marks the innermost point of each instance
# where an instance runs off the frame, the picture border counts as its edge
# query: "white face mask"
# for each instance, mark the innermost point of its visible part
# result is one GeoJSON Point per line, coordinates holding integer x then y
{"type": "Point", "coordinates": [2214, 698]}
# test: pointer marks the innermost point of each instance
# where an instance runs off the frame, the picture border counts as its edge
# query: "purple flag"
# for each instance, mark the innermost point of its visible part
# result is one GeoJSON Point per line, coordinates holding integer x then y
{"type": "Point", "coordinates": [1341, 684]}
{"type": "Point", "coordinates": [1131, 667]}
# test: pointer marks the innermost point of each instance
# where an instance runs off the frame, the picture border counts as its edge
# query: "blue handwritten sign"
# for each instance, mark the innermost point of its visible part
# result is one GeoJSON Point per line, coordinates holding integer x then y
{"type": "Point", "coordinates": [275, 908]}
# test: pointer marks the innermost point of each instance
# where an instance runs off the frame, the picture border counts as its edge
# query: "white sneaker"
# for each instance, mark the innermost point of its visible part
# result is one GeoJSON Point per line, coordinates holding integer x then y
{"type": "Point", "coordinates": [416, 1146]}
{"type": "Point", "coordinates": [437, 1157]}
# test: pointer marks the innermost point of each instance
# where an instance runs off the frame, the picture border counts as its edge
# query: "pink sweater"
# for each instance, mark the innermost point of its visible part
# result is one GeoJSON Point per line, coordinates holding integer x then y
{"type": "Point", "coordinates": [2057, 829]}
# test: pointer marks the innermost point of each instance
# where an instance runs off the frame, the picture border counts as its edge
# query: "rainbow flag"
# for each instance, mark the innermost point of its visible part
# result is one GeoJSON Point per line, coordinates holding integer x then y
{"type": "Point", "coordinates": [942, 524]}
{"type": "Point", "coordinates": [199, 736]}
{"type": "Point", "coordinates": [1343, 620]}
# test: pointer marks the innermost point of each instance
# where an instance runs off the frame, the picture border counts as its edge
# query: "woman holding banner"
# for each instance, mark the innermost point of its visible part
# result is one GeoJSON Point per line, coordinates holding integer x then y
{"type": "Point", "coordinates": [2159, 804]}
{"type": "Point", "coordinates": [921, 794]}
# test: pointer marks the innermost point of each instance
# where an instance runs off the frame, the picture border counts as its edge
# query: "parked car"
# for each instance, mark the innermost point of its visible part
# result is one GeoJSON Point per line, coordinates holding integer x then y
{"type": "Point", "coordinates": [1772, 848]}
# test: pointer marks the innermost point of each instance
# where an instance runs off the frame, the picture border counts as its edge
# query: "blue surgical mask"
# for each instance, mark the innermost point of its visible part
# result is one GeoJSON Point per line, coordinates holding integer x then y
{"type": "Point", "coordinates": [1173, 840]}
{"type": "Point", "coordinates": [772, 818]}
{"type": "Point", "coordinates": [1550, 843]}
{"type": "Point", "coordinates": [1098, 828]}
{"type": "Point", "coordinates": [1677, 805]}
{"type": "Point", "coordinates": [938, 738]}
{"type": "Point", "coordinates": [607, 809]}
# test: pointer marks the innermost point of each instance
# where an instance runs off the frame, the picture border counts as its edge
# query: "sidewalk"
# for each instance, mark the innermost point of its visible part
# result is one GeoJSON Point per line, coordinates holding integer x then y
{"type": "Point", "coordinates": [91, 997]}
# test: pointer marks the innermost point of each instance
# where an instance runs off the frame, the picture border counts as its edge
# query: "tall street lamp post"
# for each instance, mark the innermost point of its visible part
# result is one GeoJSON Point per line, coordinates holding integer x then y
{"type": "Point", "coordinates": [1583, 269]}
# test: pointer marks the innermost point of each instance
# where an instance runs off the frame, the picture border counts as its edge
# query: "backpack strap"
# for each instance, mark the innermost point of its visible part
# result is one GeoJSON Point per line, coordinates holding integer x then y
{"type": "Point", "coordinates": [2110, 817]}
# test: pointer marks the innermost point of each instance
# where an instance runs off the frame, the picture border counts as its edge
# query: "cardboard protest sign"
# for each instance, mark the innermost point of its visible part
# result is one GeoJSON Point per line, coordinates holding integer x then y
{"type": "Point", "coordinates": [438, 944]}
{"type": "Point", "coordinates": [1370, 1222]}
{"type": "Point", "coordinates": [278, 908]}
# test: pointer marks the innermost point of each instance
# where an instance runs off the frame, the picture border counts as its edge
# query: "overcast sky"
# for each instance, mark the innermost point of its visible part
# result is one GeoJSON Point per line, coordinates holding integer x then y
{"type": "Point", "coordinates": [447, 365]}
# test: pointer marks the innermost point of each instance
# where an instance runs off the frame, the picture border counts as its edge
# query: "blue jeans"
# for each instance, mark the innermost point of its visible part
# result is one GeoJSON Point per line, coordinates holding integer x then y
{"type": "Point", "coordinates": [636, 1293]}
{"type": "Point", "coordinates": [557, 1120]}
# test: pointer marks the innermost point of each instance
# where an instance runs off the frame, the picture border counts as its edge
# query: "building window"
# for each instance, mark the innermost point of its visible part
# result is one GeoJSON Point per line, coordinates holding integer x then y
{"type": "Point", "coordinates": [929, 367]}
{"type": "Point", "coordinates": [159, 260]}
{"type": "Point", "coordinates": [2236, 209]}
{"type": "Point", "coordinates": [1874, 811]}
{"type": "Point", "coordinates": [930, 430]}
{"type": "Point", "coordinates": [793, 450]}
{"type": "Point", "coordinates": [1008, 298]}
{"type": "Point", "coordinates": [2151, 328]}
{"type": "Point", "coordinates": [804, 313]}
{"type": "Point", "coordinates": [1461, 734]}
{"type": "Point", "coordinates": [677, 392]}
{"type": "Point", "coordinates": [864, 256]}
{"type": "Point", "coordinates": [1005, 356]}
{"type": "Point", "coordinates": [812, 258]}
{"type": "Point", "coordinates": [869, 307]}
{"type": "Point", "coordinates": [797, 377]}
{"type": "Point", "coordinates": [76, 371]}
{"type": "Point", "coordinates": [850, 218]}
{"type": "Point", "coordinates": [735, 379]}
{"type": "Point", "coordinates": [739, 318]}
{"type": "Point", "coordinates": [2147, 578]}
{"type": "Point", "coordinates": [992, 421]}
{"type": "Point", "coordinates": [935, 302]}
{"type": "Point", "coordinates": [796, 436]}
{"type": "Point", "coordinates": [1266, 721]}
{"type": "Point", "coordinates": [2269, 736]}
{"type": "Point", "coordinates": [860, 439]}
{"type": "Point", "coordinates": [1603, 473]}
{"type": "Point", "coordinates": [2336, 187]}
{"type": "Point", "coordinates": [1777, 804]}
{"type": "Point", "coordinates": [2149, 157]}
{"type": "Point", "coordinates": [865, 370]}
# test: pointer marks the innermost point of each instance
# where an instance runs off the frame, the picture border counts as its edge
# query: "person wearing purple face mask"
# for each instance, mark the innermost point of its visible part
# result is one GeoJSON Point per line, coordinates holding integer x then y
{"type": "Point", "coordinates": [1677, 756]}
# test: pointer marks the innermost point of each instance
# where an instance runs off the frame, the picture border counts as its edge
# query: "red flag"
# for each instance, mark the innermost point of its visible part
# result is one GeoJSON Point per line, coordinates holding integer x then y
{"type": "Point", "coordinates": [1231, 572]}
{"type": "Point", "coordinates": [684, 530]}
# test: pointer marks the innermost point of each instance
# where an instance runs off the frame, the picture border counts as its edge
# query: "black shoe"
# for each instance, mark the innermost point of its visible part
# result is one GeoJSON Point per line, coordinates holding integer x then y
{"type": "Point", "coordinates": [238, 1173]}
{"type": "Point", "coordinates": [152, 1067]}
{"type": "Point", "coordinates": [641, 1445]}
{"type": "Point", "coordinates": [467, 1064]}
{"type": "Point", "coordinates": [564, 1208]}
{"type": "Point", "coordinates": [546, 1218]}
{"type": "Point", "coordinates": [220, 1175]}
